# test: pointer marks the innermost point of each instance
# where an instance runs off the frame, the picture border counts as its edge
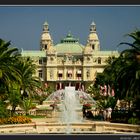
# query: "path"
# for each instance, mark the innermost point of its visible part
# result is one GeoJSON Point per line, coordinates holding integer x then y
{"type": "Point", "coordinates": [49, 120]}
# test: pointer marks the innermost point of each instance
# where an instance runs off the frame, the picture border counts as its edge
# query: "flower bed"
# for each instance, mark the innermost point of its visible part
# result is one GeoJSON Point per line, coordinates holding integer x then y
{"type": "Point", "coordinates": [15, 120]}
{"type": "Point", "coordinates": [87, 106]}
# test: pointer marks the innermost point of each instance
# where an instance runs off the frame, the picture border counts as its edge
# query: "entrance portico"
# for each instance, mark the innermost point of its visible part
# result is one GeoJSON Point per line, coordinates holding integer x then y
{"type": "Point", "coordinates": [77, 85]}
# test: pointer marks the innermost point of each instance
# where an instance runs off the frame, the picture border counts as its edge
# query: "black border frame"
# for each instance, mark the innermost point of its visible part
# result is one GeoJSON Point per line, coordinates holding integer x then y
{"type": "Point", "coordinates": [70, 3]}
{"type": "Point", "coordinates": [71, 137]}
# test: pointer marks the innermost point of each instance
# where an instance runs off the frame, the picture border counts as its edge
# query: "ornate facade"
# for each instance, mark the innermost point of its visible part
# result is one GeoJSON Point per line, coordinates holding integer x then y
{"type": "Point", "coordinates": [69, 63]}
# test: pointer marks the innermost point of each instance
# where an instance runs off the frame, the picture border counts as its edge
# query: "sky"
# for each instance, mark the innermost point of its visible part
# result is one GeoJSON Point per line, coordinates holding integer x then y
{"type": "Point", "coordinates": [23, 25]}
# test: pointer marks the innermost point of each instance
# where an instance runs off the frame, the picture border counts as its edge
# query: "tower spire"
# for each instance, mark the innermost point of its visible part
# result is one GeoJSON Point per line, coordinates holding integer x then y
{"type": "Point", "coordinates": [46, 40]}
{"type": "Point", "coordinates": [45, 27]}
{"type": "Point", "coordinates": [92, 27]}
{"type": "Point", "coordinates": [93, 40]}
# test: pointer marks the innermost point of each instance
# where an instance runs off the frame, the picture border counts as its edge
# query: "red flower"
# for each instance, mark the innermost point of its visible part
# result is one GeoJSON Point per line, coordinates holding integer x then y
{"type": "Point", "coordinates": [87, 106]}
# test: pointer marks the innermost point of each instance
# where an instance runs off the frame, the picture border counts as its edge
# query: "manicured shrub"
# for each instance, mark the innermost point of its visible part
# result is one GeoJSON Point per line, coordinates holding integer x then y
{"type": "Point", "coordinates": [3, 121]}
{"type": "Point", "coordinates": [133, 121]}
{"type": "Point", "coordinates": [15, 120]}
{"type": "Point", "coordinates": [125, 116]}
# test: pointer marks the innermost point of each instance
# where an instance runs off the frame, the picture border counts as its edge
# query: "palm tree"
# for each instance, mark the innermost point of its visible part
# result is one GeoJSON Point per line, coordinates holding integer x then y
{"type": "Point", "coordinates": [123, 73]}
{"type": "Point", "coordinates": [16, 73]}
{"type": "Point", "coordinates": [26, 104]}
{"type": "Point", "coordinates": [108, 77]}
{"type": "Point", "coordinates": [130, 71]}
{"type": "Point", "coordinates": [135, 45]}
{"type": "Point", "coordinates": [3, 111]}
{"type": "Point", "coordinates": [29, 82]}
{"type": "Point", "coordinates": [14, 97]}
{"type": "Point", "coordinates": [8, 73]}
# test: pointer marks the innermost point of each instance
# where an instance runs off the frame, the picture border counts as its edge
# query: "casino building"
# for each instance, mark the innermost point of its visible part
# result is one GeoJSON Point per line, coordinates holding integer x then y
{"type": "Point", "coordinates": [69, 63]}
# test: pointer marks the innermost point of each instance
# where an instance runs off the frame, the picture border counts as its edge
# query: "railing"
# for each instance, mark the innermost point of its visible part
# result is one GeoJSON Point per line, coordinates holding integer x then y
{"type": "Point", "coordinates": [69, 78]}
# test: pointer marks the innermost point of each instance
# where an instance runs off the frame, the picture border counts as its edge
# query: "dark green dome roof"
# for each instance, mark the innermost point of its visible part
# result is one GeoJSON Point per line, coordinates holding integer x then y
{"type": "Point", "coordinates": [69, 39]}
{"type": "Point", "coordinates": [69, 45]}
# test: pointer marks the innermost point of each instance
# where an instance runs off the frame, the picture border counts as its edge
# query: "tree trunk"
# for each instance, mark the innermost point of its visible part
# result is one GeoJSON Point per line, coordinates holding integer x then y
{"type": "Point", "coordinates": [13, 111]}
{"type": "Point", "coordinates": [27, 113]}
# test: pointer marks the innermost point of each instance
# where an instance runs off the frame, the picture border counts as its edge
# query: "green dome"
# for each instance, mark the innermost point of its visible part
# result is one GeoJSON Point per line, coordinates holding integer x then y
{"type": "Point", "coordinates": [69, 45]}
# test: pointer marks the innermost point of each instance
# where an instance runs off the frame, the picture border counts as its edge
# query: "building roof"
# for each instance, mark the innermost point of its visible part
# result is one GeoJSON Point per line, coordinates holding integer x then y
{"type": "Point", "coordinates": [105, 53]}
{"type": "Point", "coordinates": [69, 45]}
{"type": "Point", "coordinates": [69, 39]}
{"type": "Point", "coordinates": [33, 53]}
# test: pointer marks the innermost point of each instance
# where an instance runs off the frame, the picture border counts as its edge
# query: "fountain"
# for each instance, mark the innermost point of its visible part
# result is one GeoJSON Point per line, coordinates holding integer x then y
{"type": "Point", "coordinates": [58, 96]}
{"type": "Point", "coordinates": [69, 105]}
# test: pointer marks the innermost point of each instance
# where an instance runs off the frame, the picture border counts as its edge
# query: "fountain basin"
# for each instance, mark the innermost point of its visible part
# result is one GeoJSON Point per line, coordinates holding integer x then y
{"type": "Point", "coordinates": [86, 127]}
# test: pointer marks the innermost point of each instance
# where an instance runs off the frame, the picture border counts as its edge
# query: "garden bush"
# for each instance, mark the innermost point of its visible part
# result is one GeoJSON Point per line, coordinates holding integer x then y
{"type": "Point", "coordinates": [15, 120]}
{"type": "Point", "coordinates": [3, 110]}
{"type": "Point", "coordinates": [120, 116]}
{"type": "Point", "coordinates": [125, 116]}
{"type": "Point", "coordinates": [3, 121]}
{"type": "Point", "coordinates": [134, 121]}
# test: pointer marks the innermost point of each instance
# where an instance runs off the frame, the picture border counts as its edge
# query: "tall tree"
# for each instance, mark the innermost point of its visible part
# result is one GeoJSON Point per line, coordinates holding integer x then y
{"type": "Point", "coordinates": [8, 73]}
{"type": "Point", "coordinates": [130, 71]}
{"type": "Point", "coordinates": [29, 82]}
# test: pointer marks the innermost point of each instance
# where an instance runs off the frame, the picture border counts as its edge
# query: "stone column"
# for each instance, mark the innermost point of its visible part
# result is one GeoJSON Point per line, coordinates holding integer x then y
{"type": "Point", "coordinates": [65, 73]}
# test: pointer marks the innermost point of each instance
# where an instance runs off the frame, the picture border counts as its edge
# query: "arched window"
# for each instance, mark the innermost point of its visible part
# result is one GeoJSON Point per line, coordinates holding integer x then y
{"type": "Point", "coordinates": [45, 47]}
{"type": "Point", "coordinates": [69, 74]}
{"type": "Point", "coordinates": [60, 74]}
{"type": "Point", "coordinates": [93, 46]}
{"type": "Point", "coordinates": [40, 61]}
